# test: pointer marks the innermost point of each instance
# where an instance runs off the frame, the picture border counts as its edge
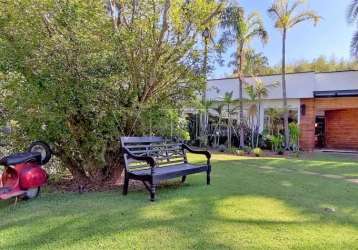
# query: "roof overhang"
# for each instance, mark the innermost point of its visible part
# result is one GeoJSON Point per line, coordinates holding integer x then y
{"type": "Point", "coordinates": [335, 93]}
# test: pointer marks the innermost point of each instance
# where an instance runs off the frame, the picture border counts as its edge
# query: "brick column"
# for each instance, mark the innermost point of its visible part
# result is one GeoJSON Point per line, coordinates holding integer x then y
{"type": "Point", "coordinates": [307, 125]}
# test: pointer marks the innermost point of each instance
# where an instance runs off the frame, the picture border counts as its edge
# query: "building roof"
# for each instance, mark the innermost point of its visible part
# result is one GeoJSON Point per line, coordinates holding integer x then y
{"type": "Point", "coordinates": [336, 93]}
{"type": "Point", "coordinates": [299, 85]}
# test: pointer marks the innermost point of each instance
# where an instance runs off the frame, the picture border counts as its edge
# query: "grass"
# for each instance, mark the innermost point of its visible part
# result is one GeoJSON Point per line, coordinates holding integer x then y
{"type": "Point", "coordinates": [253, 203]}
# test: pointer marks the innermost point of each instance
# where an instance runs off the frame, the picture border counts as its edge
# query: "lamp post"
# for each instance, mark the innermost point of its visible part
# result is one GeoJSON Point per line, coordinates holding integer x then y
{"type": "Point", "coordinates": [204, 120]}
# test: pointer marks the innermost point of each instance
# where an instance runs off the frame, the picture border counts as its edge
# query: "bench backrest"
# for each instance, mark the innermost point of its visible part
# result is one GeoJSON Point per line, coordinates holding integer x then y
{"type": "Point", "coordinates": [165, 152]}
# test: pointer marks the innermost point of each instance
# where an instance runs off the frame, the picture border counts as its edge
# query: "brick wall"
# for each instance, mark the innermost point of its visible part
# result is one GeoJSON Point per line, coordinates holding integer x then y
{"type": "Point", "coordinates": [307, 125]}
{"type": "Point", "coordinates": [345, 108]}
{"type": "Point", "coordinates": [342, 129]}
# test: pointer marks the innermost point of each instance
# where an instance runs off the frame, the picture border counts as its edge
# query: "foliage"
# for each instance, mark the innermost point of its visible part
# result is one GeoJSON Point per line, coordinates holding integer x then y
{"type": "Point", "coordinates": [294, 136]}
{"type": "Point", "coordinates": [277, 143]}
{"type": "Point", "coordinates": [222, 148]}
{"type": "Point", "coordinates": [229, 101]}
{"type": "Point", "coordinates": [232, 150]}
{"type": "Point", "coordinates": [240, 152]}
{"type": "Point", "coordinates": [240, 30]}
{"type": "Point", "coordinates": [256, 93]}
{"type": "Point", "coordinates": [256, 64]}
{"type": "Point", "coordinates": [320, 64]}
{"type": "Point", "coordinates": [274, 120]}
{"type": "Point", "coordinates": [247, 149]}
{"type": "Point", "coordinates": [257, 152]}
{"type": "Point", "coordinates": [284, 13]}
{"type": "Point", "coordinates": [78, 77]}
{"type": "Point", "coordinates": [286, 16]}
{"type": "Point", "coordinates": [352, 16]}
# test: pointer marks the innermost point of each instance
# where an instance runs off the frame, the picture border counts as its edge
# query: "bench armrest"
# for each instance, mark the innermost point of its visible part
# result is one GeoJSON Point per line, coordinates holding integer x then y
{"type": "Point", "coordinates": [201, 152]}
{"type": "Point", "coordinates": [150, 160]}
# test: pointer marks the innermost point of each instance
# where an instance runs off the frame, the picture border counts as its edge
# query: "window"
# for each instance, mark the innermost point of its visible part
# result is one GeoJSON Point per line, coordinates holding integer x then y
{"type": "Point", "coordinates": [274, 119]}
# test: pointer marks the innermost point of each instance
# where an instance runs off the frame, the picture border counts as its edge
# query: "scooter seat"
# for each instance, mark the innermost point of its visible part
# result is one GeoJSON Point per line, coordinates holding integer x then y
{"type": "Point", "coordinates": [21, 158]}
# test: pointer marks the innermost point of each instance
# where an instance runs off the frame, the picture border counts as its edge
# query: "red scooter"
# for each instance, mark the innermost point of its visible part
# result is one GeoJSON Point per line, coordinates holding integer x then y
{"type": "Point", "coordinates": [23, 175]}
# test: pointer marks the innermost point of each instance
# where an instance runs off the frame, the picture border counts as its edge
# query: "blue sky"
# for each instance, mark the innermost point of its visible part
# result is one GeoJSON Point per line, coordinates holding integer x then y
{"type": "Point", "coordinates": [331, 37]}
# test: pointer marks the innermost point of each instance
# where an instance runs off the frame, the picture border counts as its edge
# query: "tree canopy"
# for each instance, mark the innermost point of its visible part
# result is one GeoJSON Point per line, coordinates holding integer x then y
{"type": "Point", "coordinates": [78, 74]}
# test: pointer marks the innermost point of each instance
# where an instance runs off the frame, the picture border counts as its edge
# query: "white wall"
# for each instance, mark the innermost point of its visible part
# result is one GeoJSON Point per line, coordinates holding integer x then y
{"type": "Point", "coordinates": [337, 81]}
{"type": "Point", "coordinates": [298, 86]}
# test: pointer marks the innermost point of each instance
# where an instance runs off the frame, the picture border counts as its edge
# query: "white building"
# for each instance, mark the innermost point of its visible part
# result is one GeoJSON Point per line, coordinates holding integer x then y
{"type": "Point", "coordinates": [306, 92]}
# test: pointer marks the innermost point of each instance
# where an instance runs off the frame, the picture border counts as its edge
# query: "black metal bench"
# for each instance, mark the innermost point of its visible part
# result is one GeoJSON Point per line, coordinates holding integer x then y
{"type": "Point", "coordinates": [153, 159]}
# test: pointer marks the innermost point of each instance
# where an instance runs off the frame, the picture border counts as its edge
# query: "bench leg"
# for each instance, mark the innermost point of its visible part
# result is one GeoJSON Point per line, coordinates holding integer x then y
{"type": "Point", "coordinates": [152, 192]}
{"type": "Point", "coordinates": [183, 178]}
{"type": "Point", "coordinates": [208, 177]}
{"type": "Point", "coordinates": [125, 186]}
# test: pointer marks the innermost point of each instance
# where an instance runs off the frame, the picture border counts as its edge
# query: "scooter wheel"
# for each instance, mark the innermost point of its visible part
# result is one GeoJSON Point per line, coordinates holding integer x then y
{"type": "Point", "coordinates": [43, 148]}
{"type": "Point", "coordinates": [31, 193]}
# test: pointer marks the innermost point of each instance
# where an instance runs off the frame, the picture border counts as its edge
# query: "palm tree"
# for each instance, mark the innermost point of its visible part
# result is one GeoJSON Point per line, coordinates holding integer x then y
{"type": "Point", "coordinates": [252, 111]}
{"type": "Point", "coordinates": [209, 43]}
{"type": "Point", "coordinates": [219, 110]}
{"type": "Point", "coordinates": [241, 30]}
{"type": "Point", "coordinates": [228, 100]}
{"type": "Point", "coordinates": [286, 16]}
{"type": "Point", "coordinates": [206, 105]}
{"type": "Point", "coordinates": [257, 92]}
{"type": "Point", "coordinates": [353, 17]}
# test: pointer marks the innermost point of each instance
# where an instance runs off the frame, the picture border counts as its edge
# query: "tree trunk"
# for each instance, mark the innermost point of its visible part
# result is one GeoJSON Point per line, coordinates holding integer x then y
{"type": "Point", "coordinates": [241, 58]}
{"type": "Point", "coordinates": [258, 123]}
{"type": "Point", "coordinates": [228, 127]}
{"type": "Point", "coordinates": [204, 114]}
{"type": "Point", "coordinates": [114, 164]}
{"type": "Point", "coordinates": [78, 173]}
{"type": "Point", "coordinates": [284, 93]}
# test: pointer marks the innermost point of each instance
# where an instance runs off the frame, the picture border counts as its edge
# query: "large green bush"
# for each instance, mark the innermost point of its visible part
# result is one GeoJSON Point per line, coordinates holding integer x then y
{"type": "Point", "coordinates": [77, 77]}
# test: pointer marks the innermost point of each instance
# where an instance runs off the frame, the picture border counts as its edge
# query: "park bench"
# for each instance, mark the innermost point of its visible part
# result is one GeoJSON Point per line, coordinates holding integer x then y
{"type": "Point", "coordinates": [153, 159]}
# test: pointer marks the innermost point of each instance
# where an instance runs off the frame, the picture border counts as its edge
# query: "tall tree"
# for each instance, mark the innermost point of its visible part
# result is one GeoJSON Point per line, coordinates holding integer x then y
{"type": "Point", "coordinates": [229, 101]}
{"type": "Point", "coordinates": [78, 76]}
{"type": "Point", "coordinates": [353, 17]}
{"type": "Point", "coordinates": [286, 16]}
{"type": "Point", "coordinates": [240, 30]}
{"type": "Point", "coordinates": [209, 45]}
{"type": "Point", "coordinates": [257, 92]}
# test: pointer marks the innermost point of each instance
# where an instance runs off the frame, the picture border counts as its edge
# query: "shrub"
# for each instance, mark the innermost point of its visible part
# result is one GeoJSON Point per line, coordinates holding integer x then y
{"type": "Point", "coordinates": [232, 150]}
{"type": "Point", "coordinates": [277, 142]}
{"type": "Point", "coordinates": [294, 136]}
{"type": "Point", "coordinates": [257, 152]}
{"type": "Point", "coordinates": [240, 152]}
{"type": "Point", "coordinates": [247, 149]}
{"type": "Point", "coordinates": [222, 148]}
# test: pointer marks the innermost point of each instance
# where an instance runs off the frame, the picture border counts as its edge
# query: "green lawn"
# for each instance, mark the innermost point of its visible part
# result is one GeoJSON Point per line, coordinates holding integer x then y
{"type": "Point", "coordinates": [253, 203]}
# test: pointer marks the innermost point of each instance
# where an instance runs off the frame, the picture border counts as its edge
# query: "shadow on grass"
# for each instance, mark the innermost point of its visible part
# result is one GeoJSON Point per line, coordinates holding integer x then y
{"type": "Point", "coordinates": [240, 202]}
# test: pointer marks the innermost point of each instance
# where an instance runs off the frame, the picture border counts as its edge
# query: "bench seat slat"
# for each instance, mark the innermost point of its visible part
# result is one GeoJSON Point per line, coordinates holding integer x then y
{"type": "Point", "coordinates": [153, 150]}
{"type": "Point", "coordinates": [172, 171]}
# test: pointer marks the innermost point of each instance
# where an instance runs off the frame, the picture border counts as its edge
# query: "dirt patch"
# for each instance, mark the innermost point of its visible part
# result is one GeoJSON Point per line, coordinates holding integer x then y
{"type": "Point", "coordinates": [67, 184]}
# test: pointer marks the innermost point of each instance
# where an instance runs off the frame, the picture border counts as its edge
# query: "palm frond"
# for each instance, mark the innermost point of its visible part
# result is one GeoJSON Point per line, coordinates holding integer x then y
{"type": "Point", "coordinates": [227, 38]}
{"type": "Point", "coordinates": [230, 16]}
{"type": "Point", "coordinates": [354, 45]}
{"type": "Point", "coordinates": [352, 13]}
{"type": "Point", "coordinates": [277, 9]}
{"type": "Point", "coordinates": [305, 16]}
{"type": "Point", "coordinates": [261, 33]}
{"type": "Point", "coordinates": [294, 6]}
